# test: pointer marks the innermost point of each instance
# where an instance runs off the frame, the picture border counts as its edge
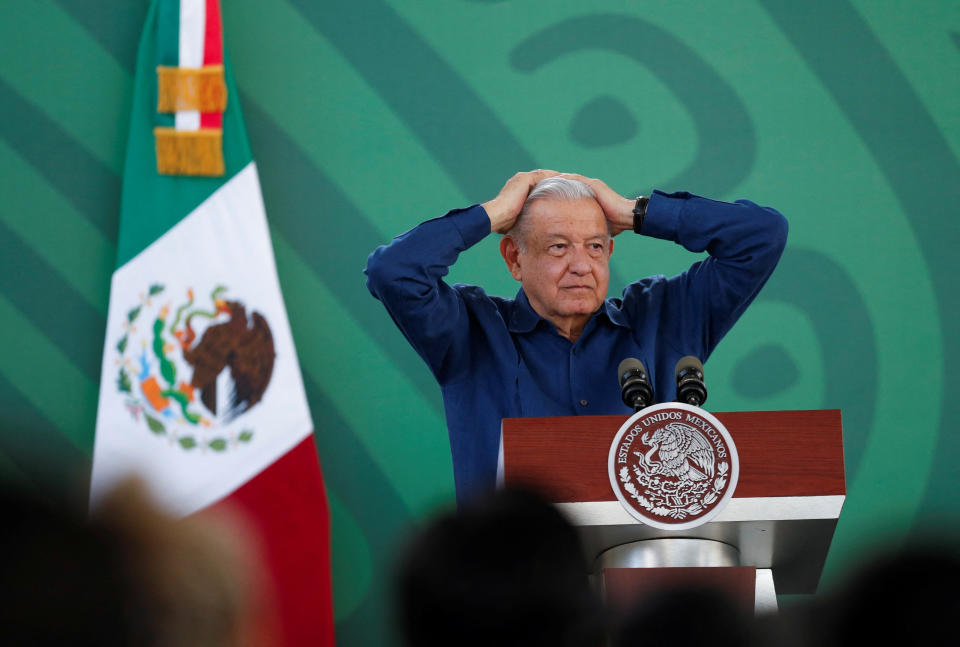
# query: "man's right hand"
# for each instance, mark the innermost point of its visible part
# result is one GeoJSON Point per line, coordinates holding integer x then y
{"type": "Point", "coordinates": [504, 209]}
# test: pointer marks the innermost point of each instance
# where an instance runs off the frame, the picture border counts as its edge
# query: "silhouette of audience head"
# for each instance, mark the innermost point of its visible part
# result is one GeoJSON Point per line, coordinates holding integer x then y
{"type": "Point", "coordinates": [685, 617]}
{"type": "Point", "coordinates": [905, 597]}
{"type": "Point", "coordinates": [506, 569]}
{"type": "Point", "coordinates": [129, 575]}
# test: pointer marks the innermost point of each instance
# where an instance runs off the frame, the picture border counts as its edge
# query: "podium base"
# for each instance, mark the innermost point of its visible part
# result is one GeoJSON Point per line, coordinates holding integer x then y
{"type": "Point", "coordinates": [631, 571]}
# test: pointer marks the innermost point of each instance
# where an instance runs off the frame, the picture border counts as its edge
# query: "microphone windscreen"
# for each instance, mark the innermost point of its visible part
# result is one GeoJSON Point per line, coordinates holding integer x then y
{"type": "Point", "coordinates": [627, 365]}
{"type": "Point", "coordinates": [688, 362]}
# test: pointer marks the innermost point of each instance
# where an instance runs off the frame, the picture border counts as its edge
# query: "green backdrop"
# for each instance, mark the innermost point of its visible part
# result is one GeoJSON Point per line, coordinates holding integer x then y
{"type": "Point", "coordinates": [367, 116]}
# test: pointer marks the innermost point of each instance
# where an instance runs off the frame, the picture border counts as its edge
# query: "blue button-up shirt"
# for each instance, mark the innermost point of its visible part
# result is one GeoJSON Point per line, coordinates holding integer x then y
{"type": "Point", "coordinates": [496, 358]}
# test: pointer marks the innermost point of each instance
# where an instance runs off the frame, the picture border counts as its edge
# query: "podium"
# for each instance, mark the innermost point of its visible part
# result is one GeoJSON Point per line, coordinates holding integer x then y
{"type": "Point", "coordinates": [780, 521]}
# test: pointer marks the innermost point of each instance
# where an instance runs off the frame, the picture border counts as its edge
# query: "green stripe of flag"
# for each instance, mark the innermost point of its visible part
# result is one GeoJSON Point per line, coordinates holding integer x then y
{"type": "Point", "coordinates": [168, 33]}
{"type": "Point", "coordinates": [153, 203]}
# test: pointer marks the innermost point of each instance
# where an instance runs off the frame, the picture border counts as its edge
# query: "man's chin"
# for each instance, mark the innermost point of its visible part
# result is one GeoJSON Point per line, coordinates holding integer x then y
{"type": "Point", "coordinates": [584, 306]}
{"type": "Point", "coordinates": [579, 295]}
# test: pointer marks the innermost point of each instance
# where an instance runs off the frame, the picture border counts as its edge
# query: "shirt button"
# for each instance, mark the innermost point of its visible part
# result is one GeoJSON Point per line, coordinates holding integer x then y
{"type": "Point", "coordinates": [584, 402]}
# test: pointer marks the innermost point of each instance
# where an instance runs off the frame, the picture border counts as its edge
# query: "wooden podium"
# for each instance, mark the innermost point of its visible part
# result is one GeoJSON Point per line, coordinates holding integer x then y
{"type": "Point", "coordinates": [780, 520]}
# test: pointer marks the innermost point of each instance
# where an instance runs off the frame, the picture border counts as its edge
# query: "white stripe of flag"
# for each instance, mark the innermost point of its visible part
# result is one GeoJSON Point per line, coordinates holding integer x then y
{"type": "Point", "coordinates": [193, 22]}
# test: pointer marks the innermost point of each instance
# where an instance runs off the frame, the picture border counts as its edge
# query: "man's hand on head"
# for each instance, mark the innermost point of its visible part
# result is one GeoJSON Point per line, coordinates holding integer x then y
{"type": "Point", "coordinates": [504, 209]}
{"type": "Point", "coordinates": [617, 209]}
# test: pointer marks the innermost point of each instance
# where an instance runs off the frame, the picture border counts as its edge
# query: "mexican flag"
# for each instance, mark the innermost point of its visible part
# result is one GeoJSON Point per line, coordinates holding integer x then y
{"type": "Point", "coordinates": [201, 393]}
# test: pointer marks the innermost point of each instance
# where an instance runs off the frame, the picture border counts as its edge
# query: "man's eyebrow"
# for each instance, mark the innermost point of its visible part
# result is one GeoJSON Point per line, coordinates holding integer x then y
{"type": "Point", "coordinates": [565, 237]}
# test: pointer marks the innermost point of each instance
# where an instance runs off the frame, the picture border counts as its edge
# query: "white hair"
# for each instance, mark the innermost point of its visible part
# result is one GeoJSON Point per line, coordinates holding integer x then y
{"type": "Point", "coordinates": [551, 188]}
{"type": "Point", "coordinates": [559, 188]}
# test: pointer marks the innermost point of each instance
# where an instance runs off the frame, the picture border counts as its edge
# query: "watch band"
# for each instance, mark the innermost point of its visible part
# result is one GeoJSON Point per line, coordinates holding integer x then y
{"type": "Point", "coordinates": [639, 211]}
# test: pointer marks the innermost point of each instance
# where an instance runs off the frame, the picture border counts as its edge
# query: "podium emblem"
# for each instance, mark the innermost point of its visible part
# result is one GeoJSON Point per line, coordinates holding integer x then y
{"type": "Point", "coordinates": [673, 466]}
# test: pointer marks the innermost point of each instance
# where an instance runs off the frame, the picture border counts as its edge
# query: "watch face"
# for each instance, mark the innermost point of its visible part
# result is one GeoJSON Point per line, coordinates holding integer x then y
{"type": "Point", "coordinates": [639, 211]}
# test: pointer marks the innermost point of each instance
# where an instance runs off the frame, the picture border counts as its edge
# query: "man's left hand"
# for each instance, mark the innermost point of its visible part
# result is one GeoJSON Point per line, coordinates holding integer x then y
{"type": "Point", "coordinates": [617, 209]}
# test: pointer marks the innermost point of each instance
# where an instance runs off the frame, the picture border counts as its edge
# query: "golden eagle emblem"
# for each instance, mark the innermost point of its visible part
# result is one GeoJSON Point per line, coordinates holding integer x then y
{"type": "Point", "coordinates": [190, 370]}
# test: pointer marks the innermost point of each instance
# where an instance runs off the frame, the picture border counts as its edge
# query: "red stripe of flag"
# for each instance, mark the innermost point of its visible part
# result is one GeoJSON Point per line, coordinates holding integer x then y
{"type": "Point", "coordinates": [212, 55]}
{"type": "Point", "coordinates": [286, 505]}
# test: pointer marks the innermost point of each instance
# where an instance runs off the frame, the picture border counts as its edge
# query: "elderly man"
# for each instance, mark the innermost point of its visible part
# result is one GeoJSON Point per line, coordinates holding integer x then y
{"type": "Point", "coordinates": [553, 350]}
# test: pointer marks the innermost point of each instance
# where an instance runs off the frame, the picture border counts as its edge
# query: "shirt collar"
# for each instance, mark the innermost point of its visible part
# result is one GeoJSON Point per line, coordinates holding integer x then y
{"type": "Point", "coordinates": [523, 318]}
{"type": "Point", "coordinates": [615, 313]}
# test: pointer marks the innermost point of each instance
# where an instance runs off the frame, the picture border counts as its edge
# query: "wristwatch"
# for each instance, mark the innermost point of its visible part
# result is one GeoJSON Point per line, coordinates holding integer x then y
{"type": "Point", "coordinates": [639, 211]}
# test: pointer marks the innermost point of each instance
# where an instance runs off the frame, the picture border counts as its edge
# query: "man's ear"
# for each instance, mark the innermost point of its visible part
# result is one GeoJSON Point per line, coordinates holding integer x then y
{"type": "Point", "coordinates": [511, 254]}
{"type": "Point", "coordinates": [610, 251]}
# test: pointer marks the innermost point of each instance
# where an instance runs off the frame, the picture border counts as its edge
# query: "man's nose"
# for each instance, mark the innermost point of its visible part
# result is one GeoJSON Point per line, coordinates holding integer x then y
{"type": "Point", "coordinates": [579, 261]}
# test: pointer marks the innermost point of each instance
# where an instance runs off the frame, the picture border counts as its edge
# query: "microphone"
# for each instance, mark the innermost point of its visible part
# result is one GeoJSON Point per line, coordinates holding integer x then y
{"type": "Point", "coordinates": [635, 386]}
{"type": "Point", "coordinates": [690, 386]}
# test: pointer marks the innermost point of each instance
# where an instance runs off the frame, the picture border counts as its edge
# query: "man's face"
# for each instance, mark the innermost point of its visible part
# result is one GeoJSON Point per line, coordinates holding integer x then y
{"type": "Point", "coordinates": [565, 266]}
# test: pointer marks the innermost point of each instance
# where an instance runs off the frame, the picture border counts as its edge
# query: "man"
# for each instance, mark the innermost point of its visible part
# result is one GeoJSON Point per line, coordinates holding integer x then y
{"type": "Point", "coordinates": [554, 349]}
